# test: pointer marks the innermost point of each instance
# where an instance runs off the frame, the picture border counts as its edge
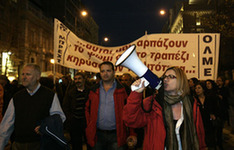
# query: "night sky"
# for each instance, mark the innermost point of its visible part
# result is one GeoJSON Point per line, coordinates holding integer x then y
{"type": "Point", "coordinates": [124, 21]}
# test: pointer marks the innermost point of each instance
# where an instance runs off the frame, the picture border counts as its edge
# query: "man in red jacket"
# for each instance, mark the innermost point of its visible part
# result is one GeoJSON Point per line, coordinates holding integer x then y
{"type": "Point", "coordinates": [105, 127]}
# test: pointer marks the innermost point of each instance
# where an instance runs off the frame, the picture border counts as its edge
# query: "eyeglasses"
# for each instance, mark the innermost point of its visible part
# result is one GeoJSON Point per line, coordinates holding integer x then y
{"type": "Point", "coordinates": [170, 76]}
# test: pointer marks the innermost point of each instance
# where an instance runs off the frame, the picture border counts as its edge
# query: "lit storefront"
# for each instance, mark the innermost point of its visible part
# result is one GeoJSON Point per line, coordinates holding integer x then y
{"type": "Point", "coordinates": [8, 67]}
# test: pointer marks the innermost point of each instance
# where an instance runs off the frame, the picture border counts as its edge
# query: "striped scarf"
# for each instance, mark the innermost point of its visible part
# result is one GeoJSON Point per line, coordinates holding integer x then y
{"type": "Point", "coordinates": [188, 138]}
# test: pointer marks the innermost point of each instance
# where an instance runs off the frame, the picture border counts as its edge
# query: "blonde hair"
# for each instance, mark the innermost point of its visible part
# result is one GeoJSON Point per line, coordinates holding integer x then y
{"type": "Point", "coordinates": [182, 81]}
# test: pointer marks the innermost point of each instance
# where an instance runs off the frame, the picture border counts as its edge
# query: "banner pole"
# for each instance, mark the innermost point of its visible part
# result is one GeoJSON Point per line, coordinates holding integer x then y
{"type": "Point", "coordinates": [55, 46]}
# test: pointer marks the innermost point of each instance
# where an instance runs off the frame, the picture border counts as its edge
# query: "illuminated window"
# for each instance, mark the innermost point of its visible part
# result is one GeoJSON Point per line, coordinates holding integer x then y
{"type": "Point", "coordinates": [198, 22]}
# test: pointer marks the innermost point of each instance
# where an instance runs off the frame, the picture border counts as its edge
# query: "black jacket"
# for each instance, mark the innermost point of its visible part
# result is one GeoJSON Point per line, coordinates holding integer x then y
{"type": "Point", "coordinates": [52, 134]}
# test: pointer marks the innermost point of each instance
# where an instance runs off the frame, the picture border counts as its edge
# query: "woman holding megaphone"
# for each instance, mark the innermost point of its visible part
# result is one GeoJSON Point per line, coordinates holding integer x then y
{"type": "Point", "coordinates": [171, 118]}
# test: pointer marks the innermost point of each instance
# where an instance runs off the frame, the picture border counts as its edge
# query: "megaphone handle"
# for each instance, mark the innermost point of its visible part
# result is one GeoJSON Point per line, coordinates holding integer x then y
{"type": "Point", "coordinates": [133, 87]}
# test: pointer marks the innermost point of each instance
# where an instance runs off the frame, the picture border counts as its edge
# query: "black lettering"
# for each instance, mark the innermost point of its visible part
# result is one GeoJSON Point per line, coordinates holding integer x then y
{"type": "Point", "coordinates": [207, 39]}
{"type": "Point", "coordinates": [207, 62]}
{"type": "Point", "coordinates": [207, 72]}
{"type": "Point", "coordinates": [207, 49]}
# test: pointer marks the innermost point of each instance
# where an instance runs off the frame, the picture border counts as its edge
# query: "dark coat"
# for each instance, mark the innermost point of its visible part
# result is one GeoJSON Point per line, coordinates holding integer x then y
{"type": "Point", "coordinates": [52, 134]}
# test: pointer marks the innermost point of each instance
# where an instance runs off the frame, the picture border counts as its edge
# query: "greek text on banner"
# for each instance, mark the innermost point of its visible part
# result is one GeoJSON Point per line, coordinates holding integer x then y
{"type": "Point", "coordinates": [196, 53]}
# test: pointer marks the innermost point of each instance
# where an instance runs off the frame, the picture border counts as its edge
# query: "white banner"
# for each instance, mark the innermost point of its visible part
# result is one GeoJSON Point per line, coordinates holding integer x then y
{"type": "Point", "coordinates": [196, 54]}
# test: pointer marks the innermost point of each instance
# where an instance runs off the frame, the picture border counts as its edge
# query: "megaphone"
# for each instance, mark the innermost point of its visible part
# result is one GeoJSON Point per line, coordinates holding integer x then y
{"type": "Point", "coordinates": [130, 60]}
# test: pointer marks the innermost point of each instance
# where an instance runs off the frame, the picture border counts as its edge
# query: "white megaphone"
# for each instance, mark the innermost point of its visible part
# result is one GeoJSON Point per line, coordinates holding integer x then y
{"type": "Point", "coordinates": [130, 60]}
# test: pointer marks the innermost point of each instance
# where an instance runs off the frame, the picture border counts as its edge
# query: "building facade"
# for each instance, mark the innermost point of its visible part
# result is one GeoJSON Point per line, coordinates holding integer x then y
{"type": "Point", "coordinates": [206, 16]}
{"type": "Point", "coordinates": [26, 32]}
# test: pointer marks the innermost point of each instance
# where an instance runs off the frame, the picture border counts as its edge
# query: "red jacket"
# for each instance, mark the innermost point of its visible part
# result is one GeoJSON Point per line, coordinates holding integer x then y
{"type": "Point", "coordinates": [91, 112]}
{"type": "Point", "coordinates": [155, 133]}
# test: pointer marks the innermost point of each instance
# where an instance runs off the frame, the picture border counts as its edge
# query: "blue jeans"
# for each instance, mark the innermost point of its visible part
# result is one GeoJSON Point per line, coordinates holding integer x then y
{"type": "Point", "coordinates": [107, 141]}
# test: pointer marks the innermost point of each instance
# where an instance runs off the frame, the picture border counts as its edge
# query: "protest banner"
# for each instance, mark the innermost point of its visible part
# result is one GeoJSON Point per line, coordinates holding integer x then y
{"type": "Point", "coordinates": [196, 53]}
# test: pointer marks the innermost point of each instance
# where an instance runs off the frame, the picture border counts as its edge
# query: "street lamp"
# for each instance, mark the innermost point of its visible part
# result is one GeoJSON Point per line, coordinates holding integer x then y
{"type": "Point", "coordinates": [52, 61]}
{"type": "Point", "coordinates": [162, 12]}
{"type": "Point", "coordinates": [84, 13]}
{"type": "Point", "coordinates": [106, 39]}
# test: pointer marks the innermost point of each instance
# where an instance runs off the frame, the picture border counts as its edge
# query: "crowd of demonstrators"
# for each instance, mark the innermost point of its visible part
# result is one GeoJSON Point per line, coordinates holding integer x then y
{"type": "Point", "coordinates": [106, 113]}
{"type": "Point", "coordinates": [208, 107]}
{"type": "Point", "coordinates": [26, 111]}
{"type": "Point", "coordinates": [167, 116]}
{"type": "Point", "coordinates": [218, 110]}
{"type": "Point", "coordinates": [212, 91]}
{"type": "Point", "coordinates": [74, 109]}
{"type": "Point", "coordinates": [216, 103]}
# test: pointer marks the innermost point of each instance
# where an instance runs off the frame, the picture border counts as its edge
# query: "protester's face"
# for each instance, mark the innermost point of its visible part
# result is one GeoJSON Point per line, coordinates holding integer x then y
{"type": "Point", "coordinates": [126, 79]}
{"type": "Point", "coordinates": [191, 84]}
{"type": "Point", "coordinates": [79, 81]}
{"type": "Point", "coordinates": [208, 85]}
{"type": "Point", "coordinates": [106, 73]}
{"type": "Point", "coordinates": [219, 81]}
{"type": "Point", "coordinates": [226, 82]}
{"type": "Point", "coordinates": [170, 82]}
{"type": "Point", "coordinates": [199, 90]}
{"type": "Point", "coordinates": [30, 77]}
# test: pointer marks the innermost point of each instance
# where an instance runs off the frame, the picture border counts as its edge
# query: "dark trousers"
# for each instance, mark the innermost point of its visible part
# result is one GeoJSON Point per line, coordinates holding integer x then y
{"type": "Point", "coordinates": [26, 146]}
{"type": "Point", "coordinates": [219, 135]}
{"type": "Point", "coordinates": [107, 141]}
{"type": "Point", "coordinates": [77, 133]}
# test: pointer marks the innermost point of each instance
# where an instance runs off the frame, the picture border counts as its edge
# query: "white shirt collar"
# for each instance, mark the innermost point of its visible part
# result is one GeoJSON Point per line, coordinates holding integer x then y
{"type": "Point", "coordinates": [32, 93]}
